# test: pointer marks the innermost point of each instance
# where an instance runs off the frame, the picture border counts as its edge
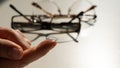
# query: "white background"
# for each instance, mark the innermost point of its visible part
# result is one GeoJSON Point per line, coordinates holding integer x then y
{"type": "Point", "coordinates": [98, 47]}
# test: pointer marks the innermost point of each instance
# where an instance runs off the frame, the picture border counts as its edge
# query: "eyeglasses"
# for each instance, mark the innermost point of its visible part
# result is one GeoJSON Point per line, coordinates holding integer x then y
{"type": "Point", "coordinates": [55, 27]}
{"type": "Point", "coordinates": [59, 27]}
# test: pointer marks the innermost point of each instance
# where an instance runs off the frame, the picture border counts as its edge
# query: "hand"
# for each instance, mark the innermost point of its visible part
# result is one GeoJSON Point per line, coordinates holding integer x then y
{"type": "Point", "coordinates": [16, 50]}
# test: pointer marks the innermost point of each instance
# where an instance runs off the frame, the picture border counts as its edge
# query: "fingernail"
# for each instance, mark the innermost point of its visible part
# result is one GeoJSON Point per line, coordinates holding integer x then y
{"type": "Point", "coordinates": [53, 43]}
{"type": "Point", "coordinates": [52, 38]}
{"type": "Point", "coordinates": [15, 53]}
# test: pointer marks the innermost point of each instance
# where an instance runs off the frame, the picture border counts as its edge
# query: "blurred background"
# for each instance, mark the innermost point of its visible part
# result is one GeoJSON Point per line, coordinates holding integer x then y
{"type": "Point", "coordinates": [98, 47]}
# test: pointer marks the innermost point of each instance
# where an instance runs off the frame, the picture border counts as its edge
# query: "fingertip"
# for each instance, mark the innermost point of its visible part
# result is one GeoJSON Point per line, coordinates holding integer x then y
{"type": "Point", "coordinates": [48, 43]}
{"type": "Point", "coordinates": [44, 47]}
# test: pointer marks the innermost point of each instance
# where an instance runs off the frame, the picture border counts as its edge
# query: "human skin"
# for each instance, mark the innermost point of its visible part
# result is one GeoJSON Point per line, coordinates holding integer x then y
{"type": "Point", "coordinates": [16, 50]}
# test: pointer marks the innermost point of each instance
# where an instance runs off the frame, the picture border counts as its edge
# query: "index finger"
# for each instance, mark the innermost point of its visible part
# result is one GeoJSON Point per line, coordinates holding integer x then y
{"type": "Point", "coordinates": [14, 36]}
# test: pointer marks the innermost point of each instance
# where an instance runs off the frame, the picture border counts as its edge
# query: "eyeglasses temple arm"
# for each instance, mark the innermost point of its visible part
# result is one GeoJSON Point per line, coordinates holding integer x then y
{"type": "Point", "coordinates": [59, 10]}
{"type": "Point", "coordinates": [38, 6]}
{"type": "Point", "coordinates": [19, 12]}
{"type": "Point", "coordinates": [72, 37]}
{"type": "Point", "coordinates": [82, 12]}
{"type": "Point", "coordinates": [69, 10]}
{"type": "Point", "coordinates": [91, 8]}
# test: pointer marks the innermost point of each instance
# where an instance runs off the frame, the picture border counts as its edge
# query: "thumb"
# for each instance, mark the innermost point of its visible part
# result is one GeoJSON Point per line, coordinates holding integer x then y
{"type": "Point", "coordinates": [10, 50]}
